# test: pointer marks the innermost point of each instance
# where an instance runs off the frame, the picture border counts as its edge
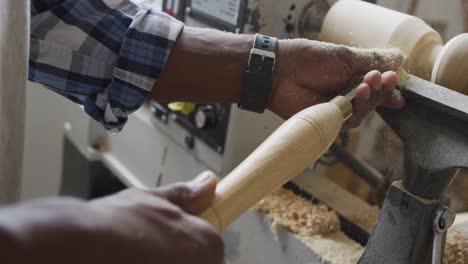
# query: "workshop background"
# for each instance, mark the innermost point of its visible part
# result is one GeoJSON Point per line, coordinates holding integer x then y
{"type": "Point", "coordinates": [66, 153]}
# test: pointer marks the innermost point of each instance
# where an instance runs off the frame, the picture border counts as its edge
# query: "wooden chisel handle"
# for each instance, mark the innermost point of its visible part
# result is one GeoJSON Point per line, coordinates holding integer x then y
{"type": "Point", "coordinates": [296, 144]}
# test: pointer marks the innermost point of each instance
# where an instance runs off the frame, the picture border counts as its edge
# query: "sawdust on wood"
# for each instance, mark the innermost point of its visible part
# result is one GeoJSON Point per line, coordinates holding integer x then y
{"type": "Point", "coordinates": [299, 215]}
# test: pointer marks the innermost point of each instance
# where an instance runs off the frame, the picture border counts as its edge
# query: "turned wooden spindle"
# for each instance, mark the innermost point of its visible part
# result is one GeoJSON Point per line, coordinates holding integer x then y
{"type": "Point", "coordinates": [361, 24]}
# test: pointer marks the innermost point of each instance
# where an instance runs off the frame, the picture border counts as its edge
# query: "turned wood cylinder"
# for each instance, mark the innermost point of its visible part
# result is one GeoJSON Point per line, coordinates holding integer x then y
{"type": "Point", "coordinates": [295, 145]}
{"type": "Point", "coordinates": [451, 67]}
{"type": "Point", "coordinates": [361, 24]}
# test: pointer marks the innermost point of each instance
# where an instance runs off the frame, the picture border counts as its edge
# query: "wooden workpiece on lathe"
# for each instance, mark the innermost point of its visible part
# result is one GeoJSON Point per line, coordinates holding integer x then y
{"type": "Point", "coordinates": [294, 146]}
{"type": "Point", "coordinates": [361, 24]}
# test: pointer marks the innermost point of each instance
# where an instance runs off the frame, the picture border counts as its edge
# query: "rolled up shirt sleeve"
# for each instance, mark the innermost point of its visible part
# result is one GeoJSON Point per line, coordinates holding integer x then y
{"type": "Point", "coordinates": [103, 54]}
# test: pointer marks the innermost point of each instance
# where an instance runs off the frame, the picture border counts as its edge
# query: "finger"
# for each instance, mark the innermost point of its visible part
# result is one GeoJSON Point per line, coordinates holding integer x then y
{"type": "Point", "coordinates": [389, 80]}
{"type": "Point", "coordinates": [391, 97]}
{"type": "Point", "coordinates": [365, 60]}
{"type": "Point", "coordinates": [206, 183]}
{"type": "Point", "coordinates": [361, 105]}
{"type": "Point", "coordinates": [374, 80]}
{"type": "Point", "coordinates": [194, 196]}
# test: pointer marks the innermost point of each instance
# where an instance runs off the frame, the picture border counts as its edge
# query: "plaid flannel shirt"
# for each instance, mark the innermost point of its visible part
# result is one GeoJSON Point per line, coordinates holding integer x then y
{"type": "Point", "coordinates": [103, 54]}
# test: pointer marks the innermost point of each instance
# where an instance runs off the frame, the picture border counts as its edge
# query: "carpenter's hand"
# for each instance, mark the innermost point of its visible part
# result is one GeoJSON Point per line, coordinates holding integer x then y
{"type": "Point", "coordinates": [133, 226]}
{"type": "Point", "coordinates": [310, 72]}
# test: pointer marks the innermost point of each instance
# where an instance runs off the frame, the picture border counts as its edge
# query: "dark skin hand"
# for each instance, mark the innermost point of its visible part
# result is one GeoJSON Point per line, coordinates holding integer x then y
{"type": "Point", "coordinates": [311, 72]}
{"type": "Point", "coordinates": [207, 66]}
{"type": "Point", "coordinates": [133, 226]}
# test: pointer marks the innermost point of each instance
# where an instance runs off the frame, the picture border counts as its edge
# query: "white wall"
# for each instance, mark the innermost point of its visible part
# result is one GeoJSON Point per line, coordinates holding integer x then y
{"type": "Point", "coordinates": [43, 146]}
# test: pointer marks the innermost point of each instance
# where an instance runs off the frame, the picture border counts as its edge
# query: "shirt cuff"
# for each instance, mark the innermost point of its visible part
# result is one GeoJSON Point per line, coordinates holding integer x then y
{"type": "Point", "coordinates": [143, 55]}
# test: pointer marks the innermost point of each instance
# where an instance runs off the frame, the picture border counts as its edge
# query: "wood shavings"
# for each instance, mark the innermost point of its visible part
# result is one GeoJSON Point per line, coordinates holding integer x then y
{"type": "Point", "coordinates": [299, 215]}
{"type": "Point", "coordinates": [456, 248]}
{"type": "Point", "coordinates": [403, 77]}
{"type": "Point", "coordinates": [335, 248]}
{"type": "Point", "coordinates": [319, 229]}
{"type": "Point", "coordinates": [315, 225]}
{"type": "Point", "coordinates": [397, 96]}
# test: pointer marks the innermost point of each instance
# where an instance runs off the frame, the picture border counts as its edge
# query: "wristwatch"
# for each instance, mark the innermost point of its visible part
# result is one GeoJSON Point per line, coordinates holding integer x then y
{"type": "Point", "coordinates": [258, 78]}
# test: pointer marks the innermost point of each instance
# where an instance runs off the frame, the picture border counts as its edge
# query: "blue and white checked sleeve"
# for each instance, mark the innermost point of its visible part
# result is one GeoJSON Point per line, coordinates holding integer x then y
{"type": "Point", "coordinates": [103, 54]}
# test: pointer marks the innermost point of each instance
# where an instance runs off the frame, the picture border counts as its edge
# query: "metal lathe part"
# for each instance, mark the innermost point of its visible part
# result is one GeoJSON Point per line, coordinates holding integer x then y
{"type": "Point", "coordinates": [433, 127]}
{"type": "Point", "coordinates": [444, 218]}
{"type": "Point", "coordinates": [369, 174]}
{"type": "Point", "coordinates": [345, 103]}
{"type": "Point", "coordinates": [439, 98]}
{"type": "Point", "coordinates": [351, 94]}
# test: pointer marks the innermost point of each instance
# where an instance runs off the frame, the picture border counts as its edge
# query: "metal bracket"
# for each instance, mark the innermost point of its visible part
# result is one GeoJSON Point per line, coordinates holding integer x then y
{"type": "Point", "coordinates": [444, 218]}
{"type": "Point", "coordinates": [414, 216]}
{"type": "Point", "coordinates": [405, 230]}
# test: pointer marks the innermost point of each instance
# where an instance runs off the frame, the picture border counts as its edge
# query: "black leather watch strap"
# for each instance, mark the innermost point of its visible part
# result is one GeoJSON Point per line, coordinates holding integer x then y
{"type": "Point", "coordinates": [259, 74]}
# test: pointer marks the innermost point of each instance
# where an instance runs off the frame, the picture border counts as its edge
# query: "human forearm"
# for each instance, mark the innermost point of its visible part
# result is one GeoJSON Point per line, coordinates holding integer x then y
{"type": "Point", "coordinates": [205, 66]}
{"type": "Point", "coordinates": [208, 66]}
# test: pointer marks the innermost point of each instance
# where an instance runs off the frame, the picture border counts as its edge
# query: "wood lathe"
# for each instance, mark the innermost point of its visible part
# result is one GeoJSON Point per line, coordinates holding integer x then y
{"type": "Point", "coordinates": [414, 216]}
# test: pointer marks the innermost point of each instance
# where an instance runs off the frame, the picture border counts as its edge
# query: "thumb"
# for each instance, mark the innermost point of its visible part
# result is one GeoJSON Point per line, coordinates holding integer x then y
{"type": "Point", "coordinates": [366, 60]}
{"type": "Point", "coordinates": [194, 196]}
